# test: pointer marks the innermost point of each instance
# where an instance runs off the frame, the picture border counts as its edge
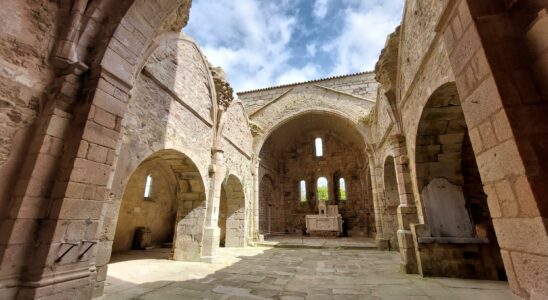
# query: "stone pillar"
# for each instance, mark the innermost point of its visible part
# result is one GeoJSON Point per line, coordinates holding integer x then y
{"type": "Point", "coordinates": [382, 243]}
{"type": "Point", "coordinates": [498, 55]}
{"type": "Point", "coordinates": [212, 232]}
{"type": "Point", "coordinates": [407, 211]}
{"type": "Point", "coordinates": [256, 187]}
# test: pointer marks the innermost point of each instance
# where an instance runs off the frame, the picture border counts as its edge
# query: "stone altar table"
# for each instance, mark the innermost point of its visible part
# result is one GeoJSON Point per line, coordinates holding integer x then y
{"type": "Point", "coordinates": [326, 223]}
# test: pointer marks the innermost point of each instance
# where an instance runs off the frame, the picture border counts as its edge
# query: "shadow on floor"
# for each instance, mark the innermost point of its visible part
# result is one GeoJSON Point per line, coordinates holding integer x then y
{"type": "Point", "coordinates": [278, 273]}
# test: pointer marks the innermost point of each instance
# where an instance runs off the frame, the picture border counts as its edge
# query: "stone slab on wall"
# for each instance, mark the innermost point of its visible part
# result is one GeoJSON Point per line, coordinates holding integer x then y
{"type": "Point", "coordinates": [445, 209]}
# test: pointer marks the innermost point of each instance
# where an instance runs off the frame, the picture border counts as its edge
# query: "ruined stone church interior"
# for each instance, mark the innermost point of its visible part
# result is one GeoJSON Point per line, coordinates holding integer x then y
{"type": "Point", "coordinates": [131, 169]}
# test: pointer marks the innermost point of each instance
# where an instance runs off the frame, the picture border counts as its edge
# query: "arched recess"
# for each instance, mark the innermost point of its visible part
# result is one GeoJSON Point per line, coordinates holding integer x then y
{"type": "Point", "coordinates": [232, 213]}
{"type": "Point", "coordinates": [183, 183]}
{"type": "Point", "coordinates": [451, 191]}
{"type": "Point", "coordinates": [289, 154]}
{"type": "Point", "coordinates": [390, 202]}
{"type": "Point", "coordinates": [343, 118]}
{"type": "Point", "coordinates": [157, 211]}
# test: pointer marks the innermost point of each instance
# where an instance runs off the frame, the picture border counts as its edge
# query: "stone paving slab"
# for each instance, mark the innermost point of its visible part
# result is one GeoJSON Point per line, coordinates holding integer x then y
{"type": "Point", "coordinates": [281, 273]}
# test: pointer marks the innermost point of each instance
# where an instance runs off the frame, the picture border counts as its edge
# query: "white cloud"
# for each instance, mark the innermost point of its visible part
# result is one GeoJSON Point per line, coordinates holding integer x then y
{"type": "Point", "coordinates": [252, 39]}
{"type": "Point", "coordinates": [248, 38]}
{"type": "Point", "coordinates": [364, 33]}
{"type": "Point", "coordinates": [311, 49]}
{"type": "Point", "coordinates": [320, 8]}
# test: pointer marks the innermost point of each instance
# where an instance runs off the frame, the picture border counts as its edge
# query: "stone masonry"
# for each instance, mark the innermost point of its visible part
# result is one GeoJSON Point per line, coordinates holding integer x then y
{"type": "Point", "coordinates": [96, 96]}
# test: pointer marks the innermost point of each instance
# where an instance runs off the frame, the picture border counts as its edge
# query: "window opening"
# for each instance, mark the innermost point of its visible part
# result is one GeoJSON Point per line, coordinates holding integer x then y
{"type": "Point", "coordinates": [342, 189]}
{"type": "Point", "coordinates": [303, 191]}
{"type": "Point", "coordinates": [319, 147]}
{"type": "Point", "coordinates": [323, 192]}
{"type": "Point", "coordinates": [148, 186]}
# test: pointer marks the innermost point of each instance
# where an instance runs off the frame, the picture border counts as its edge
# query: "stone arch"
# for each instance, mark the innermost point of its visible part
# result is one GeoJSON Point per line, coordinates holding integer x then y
{"type": "Point", "coordinates": [441, 135]}
{"type": "Point", "coordinates": [390, 202]}
{"type": "Point", "coordinates": [232, 213]}
{"type": "Point", "coordinates": [288, 152]}
{"type": "Point", "coordinates": [189, 194]}
{"type": "Point", "coordinates": [156, 213]}
{"type": "Point", "coordinates": [349, 120]}
{"type": "Point", "coordinates": [450, 187]}
{"type": "Point", "coordinates": [89, 116]}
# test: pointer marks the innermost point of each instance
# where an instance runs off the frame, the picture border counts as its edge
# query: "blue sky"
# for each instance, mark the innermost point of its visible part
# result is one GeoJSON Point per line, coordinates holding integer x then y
{"type": "Point", "coordinates": [261, 43]}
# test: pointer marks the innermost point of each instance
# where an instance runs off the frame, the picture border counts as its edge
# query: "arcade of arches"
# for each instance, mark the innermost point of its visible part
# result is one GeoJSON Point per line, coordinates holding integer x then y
{"type": "Point", "coordinates": [117, 134]}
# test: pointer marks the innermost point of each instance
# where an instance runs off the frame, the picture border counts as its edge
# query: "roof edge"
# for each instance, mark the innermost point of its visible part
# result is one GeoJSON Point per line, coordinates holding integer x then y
{"type": "Point", "coordinates": [303, 82]}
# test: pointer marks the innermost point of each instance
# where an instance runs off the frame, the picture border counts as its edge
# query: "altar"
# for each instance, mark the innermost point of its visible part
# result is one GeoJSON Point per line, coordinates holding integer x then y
{"type": "Point", "coordinates": [327, 223]}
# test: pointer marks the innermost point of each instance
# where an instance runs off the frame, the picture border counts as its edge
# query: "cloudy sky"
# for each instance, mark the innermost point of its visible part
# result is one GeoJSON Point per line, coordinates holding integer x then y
{"type": "Point", "coordinates": [261, 43]}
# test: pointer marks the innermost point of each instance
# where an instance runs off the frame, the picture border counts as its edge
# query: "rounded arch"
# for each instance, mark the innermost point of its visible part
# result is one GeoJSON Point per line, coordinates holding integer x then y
{"type": "Point", "coordinates": [155, 210]}
{"type": "Point", "coordinates": [440, 136]}
{"type": "Point", "coordinates": [344, 118]}
{"type": "Point", "coordinates": [449, 182]}
{"type": "Point", "coordinates": [189, 194]}
{"type": "Point", "coordinates": [232, 213]}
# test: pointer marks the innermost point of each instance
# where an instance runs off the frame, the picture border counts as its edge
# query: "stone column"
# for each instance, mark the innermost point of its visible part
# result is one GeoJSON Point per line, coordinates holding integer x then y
{"type": "Point", "coordinates": [407, 211]}
{"type": "Point", "coordinates": [382, 243]}
{"type": "Point", "coordinates": [212, 232]}
{"type": "Point", "coordinates": [256, 186]}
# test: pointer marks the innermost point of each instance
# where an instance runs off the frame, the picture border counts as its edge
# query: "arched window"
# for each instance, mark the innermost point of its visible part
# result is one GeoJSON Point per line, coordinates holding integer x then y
{"type": "Point", "coordinates": [319, 147]}
{"type": "Point", "coordinates": [303, 191]}
{"type": "Point", "coordinates": [148, 186]}
{"type": "Point", "coordinates": [323, 192]}
{"type": "Point", "coordinates": [342, 189]}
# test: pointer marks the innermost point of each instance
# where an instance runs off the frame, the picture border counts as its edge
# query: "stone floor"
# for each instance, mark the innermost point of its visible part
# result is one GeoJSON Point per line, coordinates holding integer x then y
{"type": "Point", "coordinates": [282, 273]}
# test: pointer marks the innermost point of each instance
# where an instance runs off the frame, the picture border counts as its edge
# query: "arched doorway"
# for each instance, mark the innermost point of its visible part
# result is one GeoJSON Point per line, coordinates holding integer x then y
{"type": "Point", "coordinates": [390, 202]}
{"type": "Point", "coordinates": [165, 195]}
{"type": "Point", "coordinates": [451, 193]}
{"type": "Point", "coordinates": [232, 213]}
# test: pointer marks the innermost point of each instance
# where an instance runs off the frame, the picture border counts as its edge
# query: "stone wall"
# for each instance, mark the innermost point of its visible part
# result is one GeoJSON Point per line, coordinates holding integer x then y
{"type": "Point", "coordinates": [418, 34]}
{"type": "Point", "coordinates": [27, 34]}
{"type": "Point", "coordinates": [362, 85]}
{"type": "Point", "coordinates": [339, 160]}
